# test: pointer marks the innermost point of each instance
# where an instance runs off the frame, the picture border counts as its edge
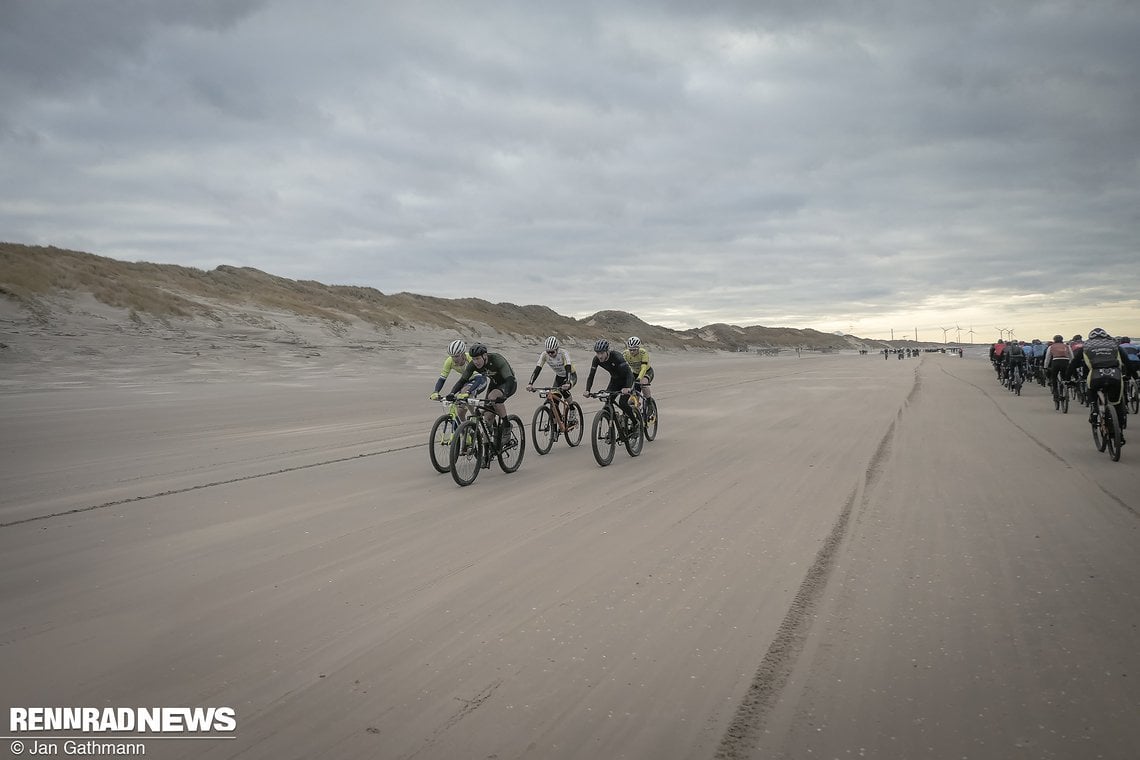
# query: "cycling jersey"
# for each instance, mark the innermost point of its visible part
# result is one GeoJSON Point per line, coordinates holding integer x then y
{"type": "Point", "coordinates": [448, 366]}
{"type": "Point", "coordinates": [614, 363]}
{"type": "Point", "coordinates": [496, 369]}
{"type": "Point", "coordinates": [638, 363]}
{"type": "Point", "coordinates": [560, 363]}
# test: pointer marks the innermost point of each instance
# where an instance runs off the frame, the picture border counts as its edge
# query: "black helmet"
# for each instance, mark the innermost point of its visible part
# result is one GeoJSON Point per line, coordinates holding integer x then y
{"type": "Point", "coordinates": [601, 345]}
{"type": "Point", "coordinates": [1058, 339]}
{"type": "Point", "coordinates": [478, 350]}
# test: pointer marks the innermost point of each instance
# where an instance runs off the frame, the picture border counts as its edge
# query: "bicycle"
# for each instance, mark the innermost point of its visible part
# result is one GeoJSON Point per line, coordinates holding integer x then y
{"type": "Point", "coordinates": [648, 407]}
{"type": "Point", "coordinates": [612, 425]}
{"type": "Point", "coordinates": [1106, 427]}
{"type": "Point", "coordinates": [442, 433]}
{"type": "Point", "coordinates": [1060, 395]}
{"type": "Point", "coordinates": [556, 417]}
{"type": "Point", "coordinates": [1016, 378]}
{"type": "Point", "coordinates": [473, 445]}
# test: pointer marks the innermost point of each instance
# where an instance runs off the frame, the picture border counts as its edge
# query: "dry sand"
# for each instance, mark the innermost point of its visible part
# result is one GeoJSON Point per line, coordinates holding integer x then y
{"type": "Point", "coordinates": [832, 557]}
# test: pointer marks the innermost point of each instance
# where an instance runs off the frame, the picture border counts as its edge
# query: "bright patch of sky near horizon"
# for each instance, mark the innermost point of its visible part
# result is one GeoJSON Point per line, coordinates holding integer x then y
{"type": "Point", "coordinates": [856, 167]}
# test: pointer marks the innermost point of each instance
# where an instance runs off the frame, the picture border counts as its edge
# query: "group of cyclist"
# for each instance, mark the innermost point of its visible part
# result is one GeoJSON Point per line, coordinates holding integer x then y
{"type": "Point", "coordinates": [480, 369]}
{"type": "Point", "coordinates": [1101, 363]}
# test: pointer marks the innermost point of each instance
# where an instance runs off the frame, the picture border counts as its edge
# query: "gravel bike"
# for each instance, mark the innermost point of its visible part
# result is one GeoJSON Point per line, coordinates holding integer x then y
{"type": "Point", "coordinates": [473, 447]}
{"type": "Point", "coordinates": [555, 418]}
{"type": "Point", "coordinates": [1106, 427]}
{"type": "Point", "coordinates": [611, 426]}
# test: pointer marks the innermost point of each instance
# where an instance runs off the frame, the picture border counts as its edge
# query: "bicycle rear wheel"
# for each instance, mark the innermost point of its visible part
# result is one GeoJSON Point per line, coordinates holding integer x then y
{"type": "Point", "coordinates": [1056, 397]}
{"type": "Point", "coordinates": [542, 429]}
{"type": "Point", "coordinates": [1064, 402]}
{"type": "Point", "coordinates": [1100, 437]}
{"type": "Point", "coordinates": [1112, 432]}
{"type": "Point", "coordinates": [574, 424]}
{"type": "Point", "coordinates": [1134, 396]}
{"type": "Point", "coordinates": [513, 445]}
{"type": "Point", "coordinates": [650, 419]}
{"type": "Point", "coordinates": [603, 437]}
{"type": "Point", "coordinates": [439, 443]}
{"type": "Point", "coordinates": [466, 453]}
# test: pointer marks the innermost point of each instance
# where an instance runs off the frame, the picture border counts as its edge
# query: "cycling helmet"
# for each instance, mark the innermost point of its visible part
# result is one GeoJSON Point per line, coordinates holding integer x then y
{"type": "Point", "coordinates": [552, 343]}
{"type": "Point", "coordinates": [601, 345]}
{"type": "Point", "coordinates": [1058, 339]}
{"type": "Point", "coordinates": [478, 350]}
{"type": "Point", "coordinates": [457, 348]}
{"type": "Point", "coordinates": [1098, 332]}
{"type": "Point", "coordinates": [1077, 337]}
{"type": "Point", "coordinates": [634, 342]}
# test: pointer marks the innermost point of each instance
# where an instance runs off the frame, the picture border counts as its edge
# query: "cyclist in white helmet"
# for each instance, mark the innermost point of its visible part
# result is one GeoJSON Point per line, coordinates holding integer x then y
{"type": "Point", "coordinates": [559, 360]}
{"type": "Point", "coordinates": [638, 360]}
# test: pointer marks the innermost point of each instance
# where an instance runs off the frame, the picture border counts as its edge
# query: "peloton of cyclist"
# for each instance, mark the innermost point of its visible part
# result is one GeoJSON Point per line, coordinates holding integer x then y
{"type": "Point", "coordinates": [559, 360]}
{"type": "Point", "coordinates": [501, 383]}
{"type": "Point", "coordinates": [1105, 363]}
{"type": "Point", "coordinates": [621, 376]}
{"type": "Point", "coordinates": [637, 357]}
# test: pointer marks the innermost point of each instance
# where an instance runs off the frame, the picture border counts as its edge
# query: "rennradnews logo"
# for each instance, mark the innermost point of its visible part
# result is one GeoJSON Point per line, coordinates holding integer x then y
{"type": "Point", "coordinates": [142, 720]}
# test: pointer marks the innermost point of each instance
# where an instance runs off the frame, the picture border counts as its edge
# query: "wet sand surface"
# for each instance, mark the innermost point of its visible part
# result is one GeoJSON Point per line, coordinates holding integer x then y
{"type": "Point", "coordinates": [833, 556]}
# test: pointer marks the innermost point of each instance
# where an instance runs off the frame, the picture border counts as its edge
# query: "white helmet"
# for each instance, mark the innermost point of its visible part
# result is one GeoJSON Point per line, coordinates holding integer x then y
{"type": "Point", "coordinates": [457, 348]}
{"type": "Point", "coordinates": [634, 342]}
{"type": "Point", "coordinates": [552, 343]}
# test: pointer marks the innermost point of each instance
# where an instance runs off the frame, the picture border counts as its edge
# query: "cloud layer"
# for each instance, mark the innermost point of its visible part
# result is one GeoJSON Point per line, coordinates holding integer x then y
{"type": "Point", "coordinates": [865, 166]}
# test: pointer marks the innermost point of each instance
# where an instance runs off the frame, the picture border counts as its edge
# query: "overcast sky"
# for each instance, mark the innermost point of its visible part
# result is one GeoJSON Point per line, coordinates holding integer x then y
{"type": "Point", "coordinates": [836, 164]}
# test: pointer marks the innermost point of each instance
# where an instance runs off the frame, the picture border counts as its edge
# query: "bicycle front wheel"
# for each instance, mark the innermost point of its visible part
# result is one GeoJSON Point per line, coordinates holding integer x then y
{"type": "Point", "coordinates": [439, 443]}
{"type": "Point", "coordinates": [466, 453]}
{"type": "Point", "coordinates": [1112, 432]}
{"type": "Point", "coordinates": [513, 445]}
{"type": "Point", "coordinates": [574, 424]}
{"type": "Point", "coordinates": [542, 429]}
{"type": "Point", "coordinates": [634, 437]}
{"type": "Point", "coordinates": [603, 437]}
{"type": "Point", "coordinates": [650, 419]}
{"type": "Point", "coordinates": [1134, 397]}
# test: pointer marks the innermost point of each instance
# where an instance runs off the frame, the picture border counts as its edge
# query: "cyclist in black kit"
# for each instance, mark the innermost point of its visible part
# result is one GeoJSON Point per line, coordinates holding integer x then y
{"type": "Point", "coordinates": [621, 376]}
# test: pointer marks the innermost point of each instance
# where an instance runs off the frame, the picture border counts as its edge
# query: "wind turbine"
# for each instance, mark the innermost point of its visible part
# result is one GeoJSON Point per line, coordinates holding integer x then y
{"type": "Point", "coordinates": [944, 331]}
{"type": "Point", "coordinates": [971, 333]}
{"type": "Point", "coordinates": [958, 327]}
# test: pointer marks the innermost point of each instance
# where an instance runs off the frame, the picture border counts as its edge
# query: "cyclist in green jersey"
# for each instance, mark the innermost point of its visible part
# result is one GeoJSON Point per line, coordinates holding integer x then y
{"type": "Point", "coordinates": [496, 371]}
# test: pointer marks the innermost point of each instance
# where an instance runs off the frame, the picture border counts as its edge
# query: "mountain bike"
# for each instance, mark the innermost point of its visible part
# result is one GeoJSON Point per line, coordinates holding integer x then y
{"type": "Point", "coordinates": [473, 446]}
{"type": "Point", "coordinates": [442, 432]}
{"type": "Point", "coordinates": [648, 407]}
{"type": "Point", "coordinates": [1060, 395]}
{"type": "Point", "coordinates": [555, 418]}
{"type": "Point", "coordinates": [1106, 427]}
{"type": "Point", "coordinates": [611, 426]}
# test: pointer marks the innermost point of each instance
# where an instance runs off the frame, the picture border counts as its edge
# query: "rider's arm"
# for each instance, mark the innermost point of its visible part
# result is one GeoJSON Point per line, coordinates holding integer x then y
{"type": "Point", "coordinates": [534, 375]}
{"type": "Point", "coordinates": [644, 365]}
{"type": "Point", "coordinates": [590, 378]}
{"type": "Point", "coordinates": [448, 363]}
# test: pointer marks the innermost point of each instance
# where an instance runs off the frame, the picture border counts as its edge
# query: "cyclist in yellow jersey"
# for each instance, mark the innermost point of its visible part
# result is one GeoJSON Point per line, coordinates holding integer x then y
{"type": "Point", "coordinates": [637, 358]}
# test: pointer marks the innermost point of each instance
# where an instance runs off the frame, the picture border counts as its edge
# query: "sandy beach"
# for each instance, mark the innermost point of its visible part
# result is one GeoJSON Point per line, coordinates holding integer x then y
{"type": "Point", "coordinates": [830, 556]}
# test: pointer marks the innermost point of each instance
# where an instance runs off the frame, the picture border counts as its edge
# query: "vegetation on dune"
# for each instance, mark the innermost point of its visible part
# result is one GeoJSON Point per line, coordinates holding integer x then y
{"type": "Point", "coordinates": [28, 273]}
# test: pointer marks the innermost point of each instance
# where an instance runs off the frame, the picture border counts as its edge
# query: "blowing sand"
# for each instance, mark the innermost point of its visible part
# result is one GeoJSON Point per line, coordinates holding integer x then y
{"type": "Point", "coordinates": [834, 556]}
